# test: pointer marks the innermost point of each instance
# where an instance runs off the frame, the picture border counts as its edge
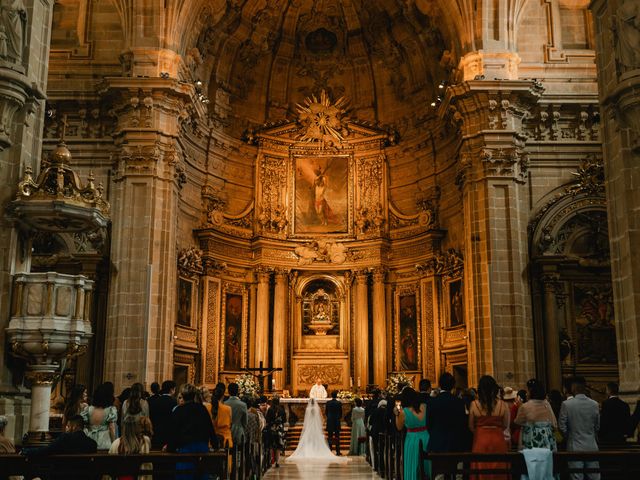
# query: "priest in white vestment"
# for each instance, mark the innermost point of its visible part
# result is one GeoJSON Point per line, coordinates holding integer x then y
{"type": "Point", "coordinates": [318, 390]}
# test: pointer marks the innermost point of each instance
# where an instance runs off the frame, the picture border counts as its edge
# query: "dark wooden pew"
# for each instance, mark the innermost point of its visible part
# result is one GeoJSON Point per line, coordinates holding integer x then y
{"type": "Point", "coordinates": [93, 466]}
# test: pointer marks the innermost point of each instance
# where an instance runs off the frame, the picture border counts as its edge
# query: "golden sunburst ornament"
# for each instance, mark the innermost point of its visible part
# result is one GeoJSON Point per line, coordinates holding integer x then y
{"type": "Point", "coordinates": [322, 120]}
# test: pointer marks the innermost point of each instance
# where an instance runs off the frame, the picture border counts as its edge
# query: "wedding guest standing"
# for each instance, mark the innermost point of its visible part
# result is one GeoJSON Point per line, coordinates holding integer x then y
{"type": "Point", "coordinates": [101, 417]}
{"type": "Point", "coordinates": [447, 418]}
{"type": "Point", "coordinates": [358, 445]}
{"type": "Point", "coordinates": [135, 406]}
{"type": "Point", "coordinates": [488, 420]}
{"type": "Point", "coordinates": [615, 417]}
{"type": "Point", "coordinates": [537, 419]}
{"type": "Point", "coordinates": [238, 415]}
{"type": "Point", "coordinates": [579, 422]}
{"type": "Point", "coordinates": [221, 415]}
{"type": "Point", "coordinates": [160, 409]}
{"type": "Point", "coordinates": [275, 428]}
{"type": "Point", "coordinates": [75, 403]}
{"type": "Point", "coordinates": [191, 429]}
{"type": "Point", "coordinates": [413, 416]}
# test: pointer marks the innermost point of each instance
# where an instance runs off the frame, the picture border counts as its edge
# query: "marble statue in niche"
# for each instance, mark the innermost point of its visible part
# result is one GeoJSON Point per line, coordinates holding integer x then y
{"type": "Point", "coordinates": [13, 22]}
{"type": "Point", "coordinates": [628, 34]}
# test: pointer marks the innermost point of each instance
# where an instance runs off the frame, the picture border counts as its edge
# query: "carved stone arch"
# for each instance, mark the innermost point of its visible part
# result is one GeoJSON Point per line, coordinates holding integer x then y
{"type": "Point", "coordinates": [560, 223]}
{"type": "Point", "coordinates": [571, 289]}
{"type": "Point", "coordinates": [304, 281]}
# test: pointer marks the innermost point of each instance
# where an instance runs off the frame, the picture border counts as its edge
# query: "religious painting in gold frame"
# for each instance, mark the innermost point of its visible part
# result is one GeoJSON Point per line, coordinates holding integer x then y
{"type": "Point", "coordinates": [322, 194]}
{"type": "Point", "coordinates": [407, 329]}
{"type": "Point", "coordinates": [186, 302]}
{"type": "Point", "coordinates": [454, 296]}
{"type": "Point", "coordinates": [234, 328]}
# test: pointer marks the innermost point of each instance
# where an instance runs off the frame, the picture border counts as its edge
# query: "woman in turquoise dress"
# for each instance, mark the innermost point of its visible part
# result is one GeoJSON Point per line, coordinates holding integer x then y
{"type": "Point", "coordinates": [358, 444]}
{"type": "Point", "coordinates": [413, 415]}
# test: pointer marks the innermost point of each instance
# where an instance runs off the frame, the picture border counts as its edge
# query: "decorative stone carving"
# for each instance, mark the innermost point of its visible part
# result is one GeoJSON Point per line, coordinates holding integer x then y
{"type": "Point", "coordinates": [322, 120]}
{"type": "Point", "coordinates": [215, 200]}
{"type": "Point", "coordinates": [331, 374]}
{"type": "Point", "coordinates": [450, 264]}
{"type": "Point", "coordinates": [190, 262]}
{"type": "Point", "coordinates": [57, 200]}
{"type": "Point", "coordinates": [321, 251]}
{"type": "Point", "coordinates": [13, 23]}
{"type": "Point", "coordinates": [627, 29]}
{"type": "Point", "coordinates": [589, 177]}
{"type": "Point", "coordinates": [370, 216]}
{"type": "Point", "coordinates": [273, 214]}
{"type": "Point", "coordinates": [552, 284]}
{"type": "Point", "coordinates": [213, 267]}
{"type": "Point", "coordinates": [505, 162]}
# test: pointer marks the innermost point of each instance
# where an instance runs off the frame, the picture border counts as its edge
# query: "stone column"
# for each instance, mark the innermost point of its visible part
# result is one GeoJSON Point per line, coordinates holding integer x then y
{"type": "Point", "coordinates": [380, 329]}
{"type": "Point", "coordinates": [149, 175]}
{"type": "Point", "coordinates": [492, 175]}
{"type": "Point", "coordinates": [361, 331]}
{"type": "Point", "coordinates": [262, 318]}
{"type": "Point", "coordinates": [41, 381]}
{"type": "Point", "coordinates": [618, 62]}
{"type": "Point", "coordinates": [280, 327]}
{"type": "Point", "coordinates": [551, 285]}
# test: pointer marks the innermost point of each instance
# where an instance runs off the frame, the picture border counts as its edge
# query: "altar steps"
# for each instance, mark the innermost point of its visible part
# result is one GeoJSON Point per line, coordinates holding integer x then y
{"type": "Point", "coordinates": [294, 432]}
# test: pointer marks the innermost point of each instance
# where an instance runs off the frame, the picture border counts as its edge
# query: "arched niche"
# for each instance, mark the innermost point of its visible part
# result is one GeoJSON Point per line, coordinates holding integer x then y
{"type": "Point", "coordinates": [320, 314]}
{"type": "Point", "coordinates": [572, 291]}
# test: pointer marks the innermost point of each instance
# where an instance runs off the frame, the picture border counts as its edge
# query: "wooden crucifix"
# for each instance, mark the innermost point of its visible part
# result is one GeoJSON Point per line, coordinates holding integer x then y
{"type": "Point", "coordinates": [263, 372]}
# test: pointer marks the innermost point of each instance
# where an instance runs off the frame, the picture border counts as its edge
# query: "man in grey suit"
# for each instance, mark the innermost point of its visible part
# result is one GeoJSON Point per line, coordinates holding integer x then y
{"type": "Point", "coordinates": [579, 422]}
{"type": "Point", "coordinates": [239, 417]}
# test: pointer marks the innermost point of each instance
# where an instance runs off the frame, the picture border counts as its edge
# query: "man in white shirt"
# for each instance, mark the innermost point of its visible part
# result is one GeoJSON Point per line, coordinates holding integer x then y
{"type": "Point", "coordinates": [318, 390]}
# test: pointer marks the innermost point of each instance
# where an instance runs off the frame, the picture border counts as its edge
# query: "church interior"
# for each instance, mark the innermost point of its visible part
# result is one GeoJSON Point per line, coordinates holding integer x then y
{"type": "Point", "coordinates": [333, 189]}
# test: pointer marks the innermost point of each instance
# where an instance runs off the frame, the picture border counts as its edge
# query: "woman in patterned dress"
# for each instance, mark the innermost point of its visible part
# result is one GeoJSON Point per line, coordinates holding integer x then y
{"type": "Point", "coordinates": [537, 419]}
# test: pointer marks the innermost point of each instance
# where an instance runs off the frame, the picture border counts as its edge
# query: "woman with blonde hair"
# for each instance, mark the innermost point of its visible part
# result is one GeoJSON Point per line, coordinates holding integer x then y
{"type": "Point", "coordinates": [132, 441]}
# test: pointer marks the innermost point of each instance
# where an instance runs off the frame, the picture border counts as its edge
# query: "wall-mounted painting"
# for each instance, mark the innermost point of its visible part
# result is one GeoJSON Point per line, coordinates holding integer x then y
{"type": "Point", "coordinates": [594, 323]}
{"type": "Point", "coordinates": [456, 303]}
{"type": "Point", "coordinates": [185, 302]}
{"type": "Point", "coordinates": [407, 331]}
{"type": "Point", "coordinates": [234, 329]}
{"type": "Point", "coordinates": [321, 195]}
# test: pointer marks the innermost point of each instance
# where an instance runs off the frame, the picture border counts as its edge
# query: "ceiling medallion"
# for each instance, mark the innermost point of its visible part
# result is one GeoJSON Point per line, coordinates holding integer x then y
{"type": "Point", "coordinates": [322, 120]}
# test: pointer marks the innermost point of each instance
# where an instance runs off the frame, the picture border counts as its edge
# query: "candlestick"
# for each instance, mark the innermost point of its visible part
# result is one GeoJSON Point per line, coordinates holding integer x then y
{"type": "Point", "coordinates": [273, 384]}
{"type": "Point", "coordinates": [358, 382]}
{"type": "Point", "coordinates": [351, 382]}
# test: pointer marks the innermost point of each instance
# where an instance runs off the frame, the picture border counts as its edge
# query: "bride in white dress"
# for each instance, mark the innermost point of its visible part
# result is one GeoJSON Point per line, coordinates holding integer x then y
{"type": "Point", "coordinates": [313, 446]}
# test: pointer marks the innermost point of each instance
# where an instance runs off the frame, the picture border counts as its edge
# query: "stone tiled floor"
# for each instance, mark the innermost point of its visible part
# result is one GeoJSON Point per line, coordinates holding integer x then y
{"type": "Point", "coordinates": [357, 468]}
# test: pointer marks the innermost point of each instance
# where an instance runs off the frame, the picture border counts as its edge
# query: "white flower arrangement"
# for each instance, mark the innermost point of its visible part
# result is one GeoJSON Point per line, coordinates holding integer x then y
{"type": "Point", "coordinates": [247, 385]}
{"type": "Point", "coordinates": [395, 380]}
{"type": "Point", "coordinates": [346, 395]}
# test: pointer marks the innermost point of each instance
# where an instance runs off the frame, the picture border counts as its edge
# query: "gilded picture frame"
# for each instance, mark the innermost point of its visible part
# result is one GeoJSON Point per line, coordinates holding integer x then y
{"type": "Point", "coordinates": [407, 346]}
{"type": "Point", "coordinates": [234, 326]}
{"type": "Point", "coordinates": [186, 302]}
{"type": "Point", "coordinates": [454, 303]}
{"type": "Point", "coordinates": [321, 195]}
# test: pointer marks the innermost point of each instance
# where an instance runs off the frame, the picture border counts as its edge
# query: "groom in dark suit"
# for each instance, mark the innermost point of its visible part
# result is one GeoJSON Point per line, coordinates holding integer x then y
{"type": "Point", "coordinates": [334, 415]}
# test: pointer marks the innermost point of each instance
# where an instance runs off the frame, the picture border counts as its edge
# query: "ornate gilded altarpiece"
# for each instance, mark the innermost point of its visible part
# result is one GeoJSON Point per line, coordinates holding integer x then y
{"type": "Point", "coordinates": [321, 212]}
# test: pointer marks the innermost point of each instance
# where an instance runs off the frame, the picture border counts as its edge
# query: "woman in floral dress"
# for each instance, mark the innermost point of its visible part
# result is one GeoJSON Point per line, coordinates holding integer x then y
{"type": "Point", "coordinates": [101, 418]}
{"type": "Point", "coordinates": [537, 419]}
